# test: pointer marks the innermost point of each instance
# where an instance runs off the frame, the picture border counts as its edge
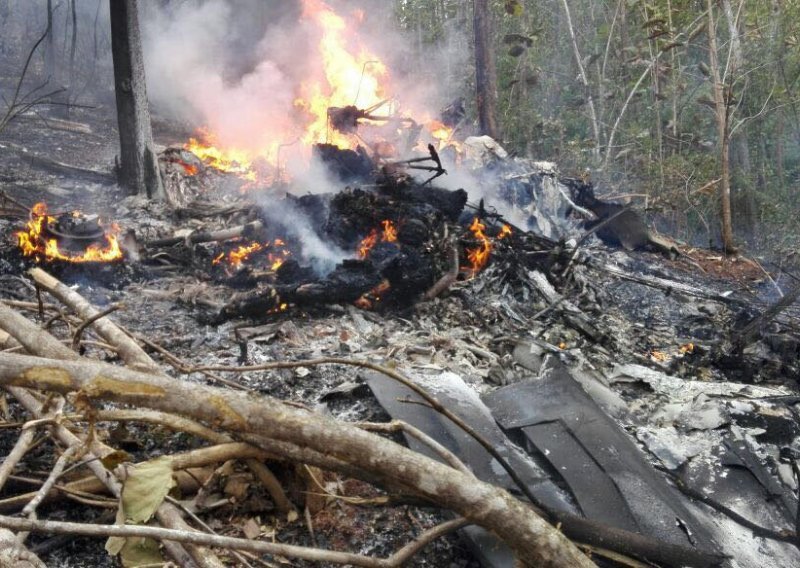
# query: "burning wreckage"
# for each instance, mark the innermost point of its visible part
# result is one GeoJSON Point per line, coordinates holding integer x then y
{"type": "Point", "coordinates": [606, 387]}
{"type": "Point", "coordinates": [521, 335]}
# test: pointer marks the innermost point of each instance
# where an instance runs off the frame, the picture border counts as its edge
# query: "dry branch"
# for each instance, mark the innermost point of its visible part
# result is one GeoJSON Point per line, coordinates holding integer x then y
{"type": "Point", "coordinates": [205, 237]}
{"type": "Point", "coordinates": [23, 444]}
{"type": "Point", "coordinates": [133, 355]}
{"type": "Point", "coordinates": [395, 561]}
{"type": "Point", "coordinates": [534, 541]}
{"type": "Point", "coordinates": [39, 342]}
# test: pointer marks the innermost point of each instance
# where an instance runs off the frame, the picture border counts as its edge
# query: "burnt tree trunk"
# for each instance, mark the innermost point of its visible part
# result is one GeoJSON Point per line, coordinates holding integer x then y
{"type": "Point", "coordinates": [485, 71]}
{"type": "Point", "coordinates": [139, 163]}
{"type": "Point", "coordinates": [54, 73]}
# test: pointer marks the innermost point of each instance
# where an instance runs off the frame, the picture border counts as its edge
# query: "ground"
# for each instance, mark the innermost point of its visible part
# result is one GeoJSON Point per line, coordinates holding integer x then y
{"type": "Point", "coordinates": [473, 330]}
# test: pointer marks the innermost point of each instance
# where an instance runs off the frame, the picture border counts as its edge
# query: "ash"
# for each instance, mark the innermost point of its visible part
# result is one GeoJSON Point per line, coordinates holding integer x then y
{"type": "Point", "coordinates": [648, 338]}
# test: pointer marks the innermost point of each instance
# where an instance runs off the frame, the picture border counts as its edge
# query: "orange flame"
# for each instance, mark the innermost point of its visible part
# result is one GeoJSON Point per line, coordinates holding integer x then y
{"type": "Point", "coordinates": [479, 256]}
{"type": "Point", "coordinates": [229, 160]}
{"type": "Point", "coordinates": [389, 235]}
{"type": "Point", "coordinates": [351, 79]}
{"type": "Point", "coordinates": [371, 298]}
{"type": "Point", "coordinates": [235, 258]}
{"type": "Point", "coordinates": [34, 242]}
{"type": "Point", "coordinates": [505, 232]}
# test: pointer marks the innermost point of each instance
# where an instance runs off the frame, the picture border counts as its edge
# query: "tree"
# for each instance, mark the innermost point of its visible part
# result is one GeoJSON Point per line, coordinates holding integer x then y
{"type": "Point", "coordinates": [139, 164]}
{"type": "Point", "coordinates": [55, 75]}
{"type": "Point", "coordinates": [721, 98]}
{"type": "Point", "coordinates": [485, 70]}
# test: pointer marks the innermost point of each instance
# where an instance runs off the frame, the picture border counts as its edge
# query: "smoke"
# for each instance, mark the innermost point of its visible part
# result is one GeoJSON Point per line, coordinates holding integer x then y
{"type": "Point", "coordinates": [296, 225]}
{"type": "Point", "coordinates": [239, 66]}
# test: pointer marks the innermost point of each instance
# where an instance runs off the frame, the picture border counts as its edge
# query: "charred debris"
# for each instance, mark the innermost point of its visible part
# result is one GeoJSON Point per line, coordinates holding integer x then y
{"type": "Point", "coordinates": [645, 403]}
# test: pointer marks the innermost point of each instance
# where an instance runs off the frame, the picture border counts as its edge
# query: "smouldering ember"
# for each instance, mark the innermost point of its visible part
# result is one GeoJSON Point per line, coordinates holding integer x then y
{"type": "Point", "coordinates": [41, 241]}
{"type": "Point", "coordinates": [275, 255]}
{"type": "Point", "coordinates": [369, 300]}
{"type": "Point", "coordinates": [387, 235]}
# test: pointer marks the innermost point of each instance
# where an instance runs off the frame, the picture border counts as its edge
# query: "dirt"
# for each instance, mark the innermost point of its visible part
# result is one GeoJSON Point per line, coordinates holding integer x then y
{"type": "Point", "coordinates": [471, 331]}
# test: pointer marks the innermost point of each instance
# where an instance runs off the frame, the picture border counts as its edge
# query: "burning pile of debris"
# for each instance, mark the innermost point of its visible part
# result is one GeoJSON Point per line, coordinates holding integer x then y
{"type": "Point", "coordinates": [470, 302]}
{"type": "Point", "coordinates": [535, 359]}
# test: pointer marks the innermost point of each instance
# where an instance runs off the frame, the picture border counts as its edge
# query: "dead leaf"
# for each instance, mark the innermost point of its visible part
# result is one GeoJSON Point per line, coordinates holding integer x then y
{"type": "Point", "coordinates": [145, 489]}
{"type": "Point", "coordinates": [141, 552]}
{"type": "Point", "coordinates": [251, 529]}
{"type": "Point", "coordinates": [237, 486]}
{"type": "Point", "coordinates": [112, 460]}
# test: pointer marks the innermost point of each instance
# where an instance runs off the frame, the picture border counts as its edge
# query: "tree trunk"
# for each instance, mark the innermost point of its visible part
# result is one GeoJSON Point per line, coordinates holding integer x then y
{"type": "Point", "coordinates": [53, 69]}
{"type": "Point", "coordinates": [723, 134]}
{"type": "Point", "coordinates": [73, 47]}
{"type": "Point", "coordinates": [485, 71]}
{"type": "Point", "coordinates": [139, 163]}
{"type": "Point", "coordinates": [585, 81]}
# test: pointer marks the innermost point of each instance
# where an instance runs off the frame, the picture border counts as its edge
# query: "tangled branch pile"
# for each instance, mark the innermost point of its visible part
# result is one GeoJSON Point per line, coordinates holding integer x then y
{"type": "Point", "coordinates": [66, 395]}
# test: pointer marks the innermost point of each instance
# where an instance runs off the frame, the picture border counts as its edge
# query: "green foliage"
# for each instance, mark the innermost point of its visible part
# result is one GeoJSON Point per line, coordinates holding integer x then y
{"type": "Point", "coordinates": [666, 142]}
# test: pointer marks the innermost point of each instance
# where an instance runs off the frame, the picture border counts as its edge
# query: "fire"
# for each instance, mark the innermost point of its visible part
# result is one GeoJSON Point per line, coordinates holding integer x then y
{"type": "Point", "coordinates": [369, 300]}
{"type": "Point", "coordinates": [350, 76]}
{"type": "Point", "coordinates": [229, 160]}
{"type": "Point", "coordinates": [505, 232]}
{"type": "Point", "coordinates": [235, 258]}
{"type": "Point", "coordinates": [37, 242]}
{"type": "Point", "coordinates": [479, 256]}
{"type": "Point", "coordinates": [346, 79]}
{"type": "Point", "coordinates": [388, 235]}
{"type": "Point", "coordinates": [350, 79]}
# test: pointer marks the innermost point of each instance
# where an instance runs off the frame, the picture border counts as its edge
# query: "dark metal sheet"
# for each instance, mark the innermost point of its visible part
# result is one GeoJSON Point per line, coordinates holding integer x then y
{"type": "Point", "coordinates": [454, 394]}
{"type": "Point", "coordinates": [605, 471]}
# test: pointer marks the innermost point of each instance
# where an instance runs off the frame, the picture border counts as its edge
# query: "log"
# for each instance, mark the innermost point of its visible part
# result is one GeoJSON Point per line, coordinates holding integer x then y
{"type": "Point", "coordinates": [534, 542]}
{"type": "Point", "coordinates": [38, 341]}
{"type": "Point", "coordinates": [206, 237]}
{"type": "Point", "coordinates": [129, 350]}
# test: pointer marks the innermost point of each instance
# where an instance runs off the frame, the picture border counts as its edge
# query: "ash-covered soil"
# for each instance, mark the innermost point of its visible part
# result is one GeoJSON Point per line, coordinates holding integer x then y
{"type": "Point", "coordinates": [603, 324]}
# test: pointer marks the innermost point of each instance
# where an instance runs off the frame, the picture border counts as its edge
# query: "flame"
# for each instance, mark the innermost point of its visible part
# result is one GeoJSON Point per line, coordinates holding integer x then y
{"type": "Point", "coordinates": [235, 258]}
{"type": "Point", "coordinates": [479, 256]}
{"type": "Point", "coordinates": [191, 170]}
{"type": "Point", "coordinates": [505, 232]}
{"type": "Point", "coordinates": [350, 79]}
{"type": "Point", "coordinates": [34, 242]}
{"type": "Point", "coordinates": [388, 235]}
{"type": "Point", "coordinates": [346, 75]}
{"type": "Point", "coordinates": [350, 75]}
{"type": "Point", "coordinates": [229, 160]}
{"type": "Point", "coordinates": [371, 298]}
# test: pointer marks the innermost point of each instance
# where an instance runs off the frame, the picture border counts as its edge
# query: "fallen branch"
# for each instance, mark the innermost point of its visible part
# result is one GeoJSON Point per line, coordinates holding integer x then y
{"type": "Point", "coordinates": [129, 350]}
{"type": "Point", "coordinates": [260, 547]}
{"type": "Point", "coordinates": [533, 541]}
{"type": "Point", "coordinates": [134, 356]}
{"type": "Point", "coordinates": [76, 337]}
{"type": "Point", "coordinates": [14, 555]}
{"type": "Point", "coordinates": [21, 447]}
{"type": "Point", "coordinates": [447, 280]}
{"type": "Point", "coordinates": [581, 530]}
{"type": "Point", "coordinates": [38, 341]}
{"type": "Point", "coordinates": [206, 237]}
